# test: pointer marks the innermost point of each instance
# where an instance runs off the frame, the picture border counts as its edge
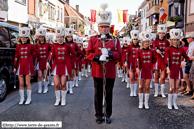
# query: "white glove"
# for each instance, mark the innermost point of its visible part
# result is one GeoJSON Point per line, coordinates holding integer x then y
{"type": "Point", "coordinates": [104, 51]}
{"type": "Point", "coordinates": [103, 57]}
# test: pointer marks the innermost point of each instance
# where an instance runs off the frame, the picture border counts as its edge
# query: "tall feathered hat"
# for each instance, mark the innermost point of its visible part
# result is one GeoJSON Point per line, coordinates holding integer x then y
{"type": "Point", "coordinates": [162, 28]}
{"type": "Point", "coordinates": [80, 40]}
{"type": "Point", "coordinates": [126, 40]}
{"type": "Point", "coordinates": [41, 32]}
{"type": "Point", "coordinates": [60, 31]}
{"type": "Point", "coordinates": [75, 39]}
{"type": "Point", "coordinates": [49, 36]}
{"type": "Point", "coordinates": [103, 18]}
{"type": "Point", "coordinates": [24, 32]}
{"type": "Point", "coordinates": [175, 33]}
{"type": "Point", "coordinates": [69, 31]}
{"type": "Point", "coordinates": [145, 36]}
{"type": "Point", "coordinates": [134, 34]}
{"type": "Point", "coordinates": [85, 45]}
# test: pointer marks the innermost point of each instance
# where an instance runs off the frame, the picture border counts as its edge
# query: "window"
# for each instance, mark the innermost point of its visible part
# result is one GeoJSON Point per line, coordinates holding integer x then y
{"type": "Point", "coordinates": [49, 14]}
{"type": "Point", "coordinates": [40, 9]}
{"type": "Point", "coordinates": [58, 13]}
{"type": "Point", "coordinates": [191, 6]}
{"type": "Point", "coordinates": [152, 2]}
{"type": "Point", "coordinates": [4, 37]}
{"type": "Point", "coordinates": [172, 10]}
{"type": "Point", "coordinates": [53, 14]}
{"type": "Point", "coordinates": [144, 12]}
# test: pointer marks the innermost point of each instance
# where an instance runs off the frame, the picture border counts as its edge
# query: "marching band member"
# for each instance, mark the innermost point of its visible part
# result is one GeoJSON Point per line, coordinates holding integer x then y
{"type": "Point", "coordinates": [61, 68]}
{"type": "Point", "coordinates": [159, 47]}
{"type": "Point", "coordinates": [49, 39]}
{"type": "Point", "coordinates": [76, 78]}
{"type": "Point", "coordinates": [74, 46]}
{"type": "Point", "coordinates": [86, 61]}
{"type": "Point", "coordinates": [111, 53]}
{"type": "Point", "coordinates": [131, 62]}
{"type": "Point", "coordinates": [80, 57]}
{"type": "Point", "coordinates": [173, 62]}
{"type": "Point", "coordinates": [151, 47]}
{"type": "Point", "coordinates": [124, 58]}
{"type": "Point", "coordinates": [145, 58]}
{"type": "Point", "coordinates": [23, 63]}
{"type": "Point", "coordinates": [43, 47]}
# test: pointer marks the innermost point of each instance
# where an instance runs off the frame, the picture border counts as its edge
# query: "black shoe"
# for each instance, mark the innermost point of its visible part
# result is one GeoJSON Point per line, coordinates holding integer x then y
{"type": "Point", "coordinates": [99, 120]}
{"type": "Point", "coordinates": [108, 120]}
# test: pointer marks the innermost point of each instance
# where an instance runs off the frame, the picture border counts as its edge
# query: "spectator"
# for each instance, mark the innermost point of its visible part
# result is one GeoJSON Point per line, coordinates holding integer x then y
{"type": "Point", "coordinates": [190, 40]}
{"type": "Point", "coordinates": [184, 45]}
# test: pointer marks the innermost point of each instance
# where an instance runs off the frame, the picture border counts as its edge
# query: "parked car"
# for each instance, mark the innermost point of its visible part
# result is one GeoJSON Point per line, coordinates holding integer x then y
{"type": "Point", "coordinates": [9, 36]}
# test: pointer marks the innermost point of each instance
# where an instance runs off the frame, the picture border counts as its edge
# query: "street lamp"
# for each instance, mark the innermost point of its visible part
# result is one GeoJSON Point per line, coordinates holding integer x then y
{"type": "Point", "coordinates": [176, 5]}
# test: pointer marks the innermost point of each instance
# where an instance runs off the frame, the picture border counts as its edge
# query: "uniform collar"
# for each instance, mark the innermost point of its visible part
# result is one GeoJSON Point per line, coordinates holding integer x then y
{"type": "Point", "coordinates": [175, 47]}
{"type": "Point", "coordinates": [24, 43]}
{"type": "Point", "coordinates": [61, 44]}
{"type": "Point", "coordinates": [107, 35]}
{"type": "Point", "coordinates": [161, 40]}
{"type": "Point", "coordinates": [146, 48]}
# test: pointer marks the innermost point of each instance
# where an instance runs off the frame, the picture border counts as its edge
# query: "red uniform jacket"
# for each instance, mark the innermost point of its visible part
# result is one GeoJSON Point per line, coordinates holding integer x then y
{"type": "Point", "coordinates": [44, 50]}
{"type": "Point", "coordinates": [131, 56]}
{"type": "Point", "coordinates": [78, 51]}
{"type": "Point", "coordinates": [124, 54]}
{"type": "Point", "coordinates": [94, 52]}
{"type": "Point", "coordinates": [86, 60]}
{"type": "Point", "coordinates": [174, 56]}
{"type": "Point", "coordinates": [60, 54]}
{"type": "Point", "coordinates": [24, 54]}
{"type": "Point", "coordinates": [161, 45]}
{"type": "Point", "coordinates": [146, 59]}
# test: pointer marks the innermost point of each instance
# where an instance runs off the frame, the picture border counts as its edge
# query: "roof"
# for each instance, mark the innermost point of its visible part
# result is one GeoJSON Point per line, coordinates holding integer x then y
{"type": "Point", "coordinates": [72, 12]}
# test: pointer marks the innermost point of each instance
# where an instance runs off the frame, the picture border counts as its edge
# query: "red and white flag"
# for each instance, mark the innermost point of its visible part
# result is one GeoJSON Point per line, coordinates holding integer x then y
{"type": "Point", "coordinates": [162, 14]}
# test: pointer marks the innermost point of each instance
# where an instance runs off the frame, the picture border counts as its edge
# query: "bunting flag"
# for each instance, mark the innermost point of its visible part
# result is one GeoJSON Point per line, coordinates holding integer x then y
{"type": "Point", "coordinates": [122, 16]}
{"type": "Point", "coordinates": [115, 33]}
{"type": "Point", "coordinates": [112, 28]}
{"type": "Point", "coordinates": [155, 19]}
{"type": "Point", "coordinates": [93, 15]}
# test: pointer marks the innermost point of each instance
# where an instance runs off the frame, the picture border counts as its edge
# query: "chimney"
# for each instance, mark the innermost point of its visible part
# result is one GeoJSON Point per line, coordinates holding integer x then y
{"type": "Point", "coordinates": [77, 8]}
{"type": "Point", "coordinates": [67, 2]}
{"type": "Point", "coordinates": [135, 13]}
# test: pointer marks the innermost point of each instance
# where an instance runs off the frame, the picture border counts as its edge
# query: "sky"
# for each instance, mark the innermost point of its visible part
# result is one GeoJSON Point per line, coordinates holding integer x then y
{"type": "Point", "coordinates": [113, 5]}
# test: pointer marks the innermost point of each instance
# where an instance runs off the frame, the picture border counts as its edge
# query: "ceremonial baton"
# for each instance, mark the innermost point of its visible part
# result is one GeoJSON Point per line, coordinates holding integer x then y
{"type": "Point", "coordinates": [160, 53]}
{"type": "Point", "coordinates": [103, 37]}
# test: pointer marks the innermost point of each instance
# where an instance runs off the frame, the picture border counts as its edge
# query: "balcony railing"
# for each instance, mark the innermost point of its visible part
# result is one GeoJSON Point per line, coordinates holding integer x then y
{"type": "Point", "coordinates": [152, 10]}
